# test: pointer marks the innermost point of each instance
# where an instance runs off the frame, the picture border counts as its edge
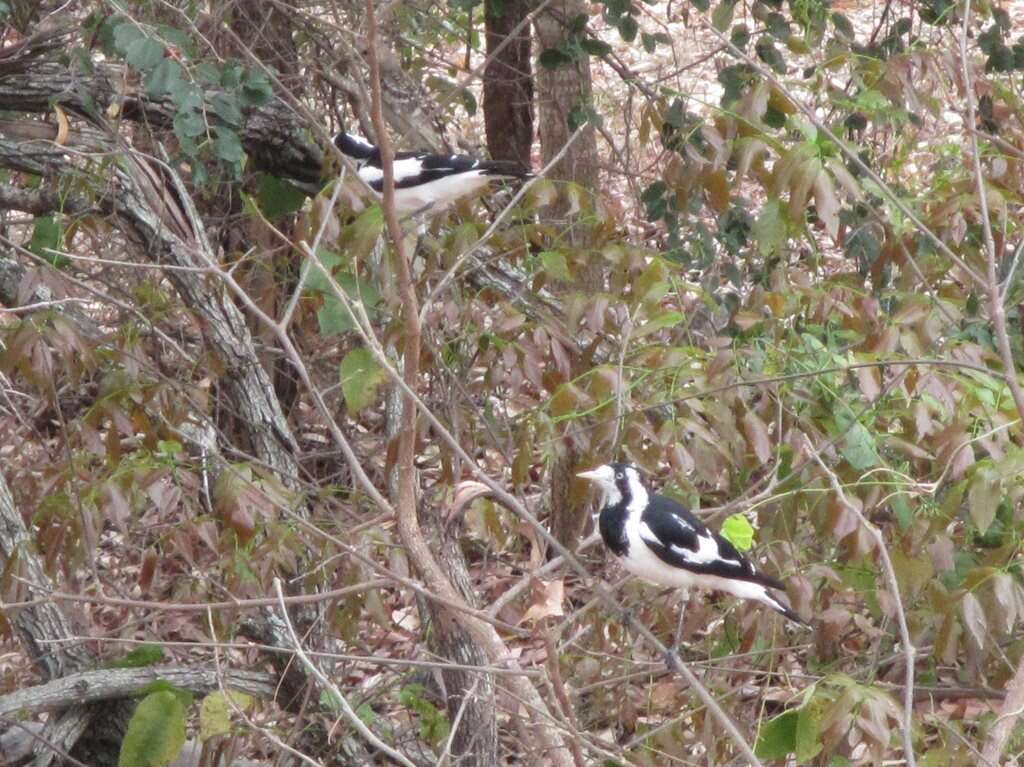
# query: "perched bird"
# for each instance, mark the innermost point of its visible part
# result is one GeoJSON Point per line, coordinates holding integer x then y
{"type": "Point", "coordinates": [662, 542]}
{"type": "Point", "coordinates": [426, 182]}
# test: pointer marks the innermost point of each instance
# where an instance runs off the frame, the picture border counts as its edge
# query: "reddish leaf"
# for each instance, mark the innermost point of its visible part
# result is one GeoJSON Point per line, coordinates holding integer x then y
{"type": "Point", "coordinates": [974, 619]}
{"type": "Point", "coordinates": [546, 599]}
{"type": "Point", "coordinates": [756, 432]}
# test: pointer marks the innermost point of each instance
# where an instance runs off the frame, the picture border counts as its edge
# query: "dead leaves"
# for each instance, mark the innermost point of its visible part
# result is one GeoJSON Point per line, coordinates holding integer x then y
{"type": "Point", "coordinates": [546, 598]}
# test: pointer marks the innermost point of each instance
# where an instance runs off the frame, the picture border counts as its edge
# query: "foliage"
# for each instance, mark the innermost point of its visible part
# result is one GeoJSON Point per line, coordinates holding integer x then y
{"type": "Point", "coordinates": [762, 299]}
{"type": "Point", "coordinates": [156, 731]}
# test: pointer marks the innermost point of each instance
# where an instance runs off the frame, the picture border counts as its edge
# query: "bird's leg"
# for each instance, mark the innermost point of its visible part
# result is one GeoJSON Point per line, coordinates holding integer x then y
{"type": "Point", "coordinates": [684, 599]}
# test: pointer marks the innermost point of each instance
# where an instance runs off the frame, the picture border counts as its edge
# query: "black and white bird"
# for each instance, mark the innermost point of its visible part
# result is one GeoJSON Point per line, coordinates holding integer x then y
{"type": "Point", "coordinates": [424, 182]}
{"type": "Point", "coordinates": [660, 541]}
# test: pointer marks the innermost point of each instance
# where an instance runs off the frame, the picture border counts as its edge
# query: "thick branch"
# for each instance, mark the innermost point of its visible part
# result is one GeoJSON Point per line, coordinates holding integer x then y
{"type": "Point", "coordinates": [1009, 715]}
{"type": "Point", "coordinates": [153, 209]}
{"type": "Point", "coordinates": [270, 133]}
{"type": "Point", "coordinates": [115, 683]}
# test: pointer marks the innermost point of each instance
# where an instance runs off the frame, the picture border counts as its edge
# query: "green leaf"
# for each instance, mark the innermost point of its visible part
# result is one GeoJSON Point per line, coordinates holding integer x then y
{"type": "Point", "coordinates": [807, 741]}
{"type": "Point", "coordinates": [333, 316]}
{"type": "Point", "coordinates": [722, 17]}
{"type": "Point", "coordinates": [595, 47]}
{"type": "Point", "coordinates": [228, 147]}
{"type": "Point", "coordinates": [843, 26]}
{"type": "Point", "coordinates": [256, 90]}
{"type": "Point", "coordinates": [859, 448]}
{"type": "Point", "coordinates": [628, 28]}
{"type": "Point", "coordinates": [665, 319]}
{"type": "Point", "coordinates": [984, 495]}
{"type": "Point", "coordinates": [144, 53]}
{"type": "Point", "coordinates": [434, 727]}
{"type": "Point", "coordinates": [215, 712]}
{"type": "Point", "coordinates": [360, 237]}
{"type": "Point", "coordinates": [227, 107]}
{"type": "Point", "coordinates": [143, 655]}
{"type": "Point", "coordinates": [769, 229]}
{"type": "Point", "coordinates": [555, 265]}
{"type": "Point", "coordinates": [778, 737]}
{"type": "Point", "coordinates": [738, 531]}
{"type": "Point", "coordinates": [188, 124]}
{"type": "Point", "coordinates": [184, 697]}
{"type": "Point", "coordinates": [769, 54]}
{"type": "Point", "coordinates": [554, 58]}
{"type": "Point", "coordinates": [156, 732]}
{"type": "Point", "coordinates": [777, 26]}
{"type": "Point", "coordinates": [276, 197]}
{"type": "Point", "coordinates": [581, 114]}
{"type": "Point", "coordinates": [164, 78]}
{"type": "Point", "coordinates": [48, 236]}
{"type": "Point", "coordinates": [901, 510]}
{"type": "Point", "coordinates": [360, 376]}
{"type": "Point", "coordinates": [125, 35]}
{"type": "Point", "coordinates": [740, 36]}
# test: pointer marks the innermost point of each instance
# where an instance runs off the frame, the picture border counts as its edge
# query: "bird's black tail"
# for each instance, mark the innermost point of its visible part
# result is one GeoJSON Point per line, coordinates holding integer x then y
{"type": "Point", "coordinates": [778, 606]}
{"type": "Point", "coordinates": [505, 169]}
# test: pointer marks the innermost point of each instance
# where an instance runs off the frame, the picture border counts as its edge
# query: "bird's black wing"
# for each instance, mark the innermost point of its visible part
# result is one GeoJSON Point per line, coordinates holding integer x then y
{"type": "Point", "coordinates": [681, 540]}
{"type": "Point", "coordinates": [437, 166]}
{"type": "Point", "coordinates": [672, 523]}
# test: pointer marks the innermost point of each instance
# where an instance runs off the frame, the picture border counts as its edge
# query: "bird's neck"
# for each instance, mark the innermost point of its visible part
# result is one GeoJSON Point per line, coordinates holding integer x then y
{"type": "Point", "coordinates": [637, 501]}
{"type": "Point", "coordinates": [611, 524]}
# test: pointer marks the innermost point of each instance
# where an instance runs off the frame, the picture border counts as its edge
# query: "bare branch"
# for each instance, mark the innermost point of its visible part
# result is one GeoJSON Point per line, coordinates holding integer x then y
{"type": "Point", "coordinates": [909, 652]}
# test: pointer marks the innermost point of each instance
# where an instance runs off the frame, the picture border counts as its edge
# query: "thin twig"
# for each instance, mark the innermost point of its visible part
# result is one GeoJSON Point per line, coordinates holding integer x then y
{"type": "Point", "coordinates": [1013, 707]}
{"type": "Point", "coordinates": [997, 313]}
{"type": "Point", "coordinates": [338, 697]}
{"type": "Point", "coordinates": [468, 252]}
{"type": "Point", "coordinates": [909, 651]}
{"type": "Point", "coordinates": [848, 152]}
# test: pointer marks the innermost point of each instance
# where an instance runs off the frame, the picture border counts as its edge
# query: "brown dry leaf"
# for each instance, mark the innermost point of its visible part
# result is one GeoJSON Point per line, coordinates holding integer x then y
{"type": "Point", "coordinates": [841, 519]}
{"type": "Point", "coordinates": [826, 202]}
{"type": "Point", "coordinates": [870, 382]}
{"type": "Point", "coordinates": [974, 619]}
{"type": "Point", "coordinates": [756, 432]}
{"type": "Point", "coordinates": [1004, 590]}
{"type": "Point", "coordinates": [62, 125]}
{"type": "Point", "coordinates": [546, 599]}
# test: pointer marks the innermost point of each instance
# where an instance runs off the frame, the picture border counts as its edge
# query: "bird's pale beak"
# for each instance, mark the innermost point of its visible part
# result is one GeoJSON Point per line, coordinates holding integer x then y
{"type": "Point", "coordinates": [593, 476]}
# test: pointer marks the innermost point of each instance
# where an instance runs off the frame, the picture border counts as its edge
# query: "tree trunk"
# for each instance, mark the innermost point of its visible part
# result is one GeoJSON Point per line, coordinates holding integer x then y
{"type": "Point", "coordinates": [469, 695]}
{"type": "Point", "coordinates": [508, 81]}
{"type": "Point", "coordinates": [559, 92]}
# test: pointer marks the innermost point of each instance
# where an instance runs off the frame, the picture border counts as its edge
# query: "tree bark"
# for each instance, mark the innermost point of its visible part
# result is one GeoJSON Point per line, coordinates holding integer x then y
{"type": "Point", "coordinates": [51, 641]}
{"type": "Point", "coordinates": [559, 92]}
{"type": "Point", "coordinates": [508, 82]}
{"type": "Point", "coordinates": [469, 696]}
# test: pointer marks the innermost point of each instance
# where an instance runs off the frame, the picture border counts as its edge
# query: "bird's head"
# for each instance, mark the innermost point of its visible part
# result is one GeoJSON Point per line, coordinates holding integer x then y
{"type": "Point", "coordinates": [618, 482]}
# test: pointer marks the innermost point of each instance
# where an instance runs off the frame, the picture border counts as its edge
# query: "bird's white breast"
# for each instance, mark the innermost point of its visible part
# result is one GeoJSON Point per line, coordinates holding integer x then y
{"type": "Point", "coordinates": [643, 562]}
{"type": "Point", "coordinates": [433, 193]}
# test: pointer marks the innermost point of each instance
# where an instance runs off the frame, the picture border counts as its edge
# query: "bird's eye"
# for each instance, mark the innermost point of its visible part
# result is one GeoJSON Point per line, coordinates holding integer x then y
{"type": "Point", "coordinates": [619, 475]}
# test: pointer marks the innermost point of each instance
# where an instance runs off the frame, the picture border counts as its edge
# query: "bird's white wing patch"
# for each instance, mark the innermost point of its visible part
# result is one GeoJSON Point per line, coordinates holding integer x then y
{"type": "Point", "coordinates": [707, 552]}
{"type": "Point", "coordinates": [647, 535]}
{"type": "Point", "coordinates": [369, 174]}
{"type": "Point", "coordinates": [407, 168]}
